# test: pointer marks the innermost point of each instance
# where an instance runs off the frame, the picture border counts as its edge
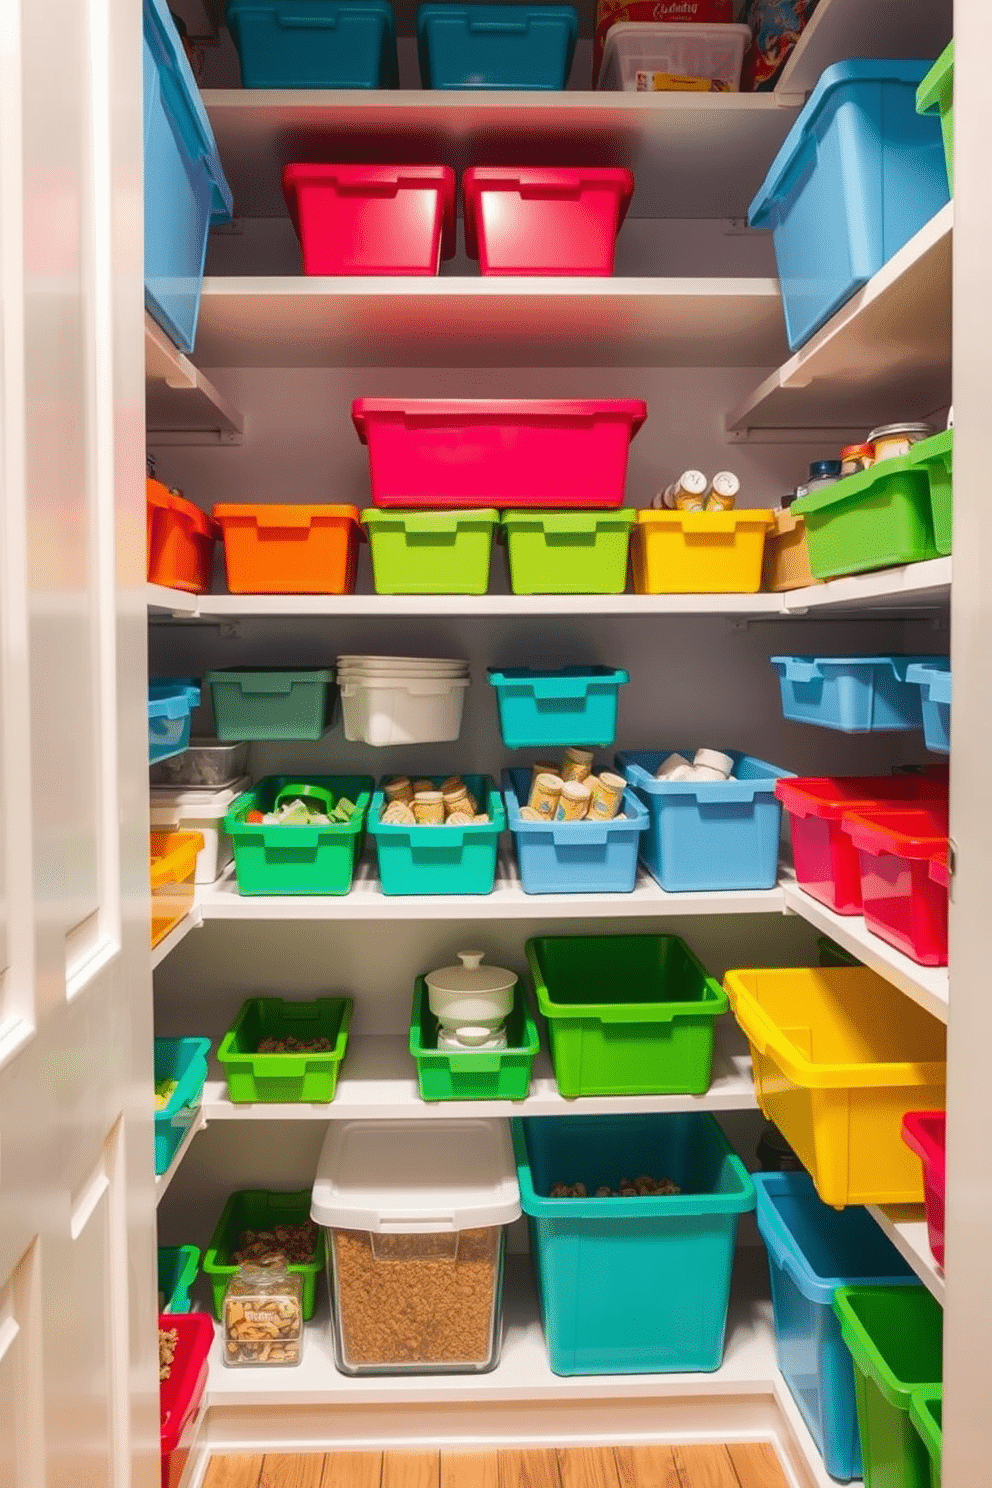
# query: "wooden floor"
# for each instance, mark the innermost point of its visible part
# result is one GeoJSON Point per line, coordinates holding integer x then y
{"type": "Point", "coordinates": [737, 1465]}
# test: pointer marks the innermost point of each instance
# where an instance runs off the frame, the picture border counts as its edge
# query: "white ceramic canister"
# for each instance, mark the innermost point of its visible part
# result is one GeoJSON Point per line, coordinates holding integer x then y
{"type": "Point", "coordinates": [470, 994]}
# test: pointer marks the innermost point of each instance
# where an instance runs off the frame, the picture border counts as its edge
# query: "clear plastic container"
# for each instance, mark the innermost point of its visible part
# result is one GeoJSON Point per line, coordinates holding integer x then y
{"type": "Point", "coordinates": [263, 1317]}
{"type": "Point", "coordinates": [664, 56]}
{"type": "Point", "coordinates": [205, 765]}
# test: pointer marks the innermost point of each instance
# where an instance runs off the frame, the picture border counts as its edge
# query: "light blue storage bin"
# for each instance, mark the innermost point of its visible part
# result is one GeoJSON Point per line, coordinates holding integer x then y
{"type": "Point", "coordinates": [859, 173]}
{"type": "Point", "coordinates": [185, 190]}
{"type": "Point", "coordinates": [640, 1285]}
{"type": "Point", "coordinates": [934, 679]}
{"type": "Point", "coordinates": [719, 835]}
{"type": "Point", "coordinates": [812, 1249]}
{"type": "Point", "coordinates": [584, 857]}
{"type": "Point", "coordinates": [185, 1060]}
{"type": "Point", "coordinates": [496, 46]}
{"type": "Point", "coordinates": [171, 701]}
{"type": "Point", "coordinates": [551, 710]}
{"type": "Point", "coordinates": [856, 694]}
{"type": "Point", "coordinates": [314, 43]}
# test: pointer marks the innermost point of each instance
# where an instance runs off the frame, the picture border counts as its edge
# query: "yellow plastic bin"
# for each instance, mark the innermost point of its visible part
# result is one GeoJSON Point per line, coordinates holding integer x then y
{"type": "Point", "coordinates": [839, 1057]}
{"type": "Point", "coordinates": [172, 869]}
{"type": "Point", "coordinates": [675, 552]}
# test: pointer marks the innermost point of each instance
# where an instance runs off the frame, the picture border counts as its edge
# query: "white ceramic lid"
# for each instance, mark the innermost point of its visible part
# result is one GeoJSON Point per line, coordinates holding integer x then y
{"type": "Point", "coordinates": [171, 801]}
{"type": "Point", "coordinates": [416, 1177]}
{"type": "Point", "coordinates": [471, 976]}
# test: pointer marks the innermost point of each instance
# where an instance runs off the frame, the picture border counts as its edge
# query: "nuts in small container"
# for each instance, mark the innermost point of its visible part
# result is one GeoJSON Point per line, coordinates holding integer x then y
{"type": "Point", "coordinates": [263, 1316]}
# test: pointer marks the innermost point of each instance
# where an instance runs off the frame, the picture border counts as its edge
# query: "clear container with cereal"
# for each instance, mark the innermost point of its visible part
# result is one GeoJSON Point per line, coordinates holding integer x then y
{"type": "Point", "coordinates": [416, 1214]}
{"type": "Point", "coordinates": [263, 1316]}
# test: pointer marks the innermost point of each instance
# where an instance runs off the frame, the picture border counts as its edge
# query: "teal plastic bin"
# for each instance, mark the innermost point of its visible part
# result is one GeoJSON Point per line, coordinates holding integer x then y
{"type": "Point", "coordinates": [573, 705]}
{"type": "Point", "coordinates": [183, 1060]}
{"type": "Point", "coordinates": [440, 859]}
{"type": "Point", "coordinates": [314, 43]}
{"type": "Point", "coordinates": [272, 703]}
{"type": "Point", "coordinates": [632, 1285]}
{"type": "Point", "coordinates": [178, 1268]}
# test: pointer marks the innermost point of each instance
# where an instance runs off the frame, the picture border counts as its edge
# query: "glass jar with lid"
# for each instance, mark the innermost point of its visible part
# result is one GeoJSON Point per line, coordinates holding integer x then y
{"type": "Point", "coordinates": [263, 1316]}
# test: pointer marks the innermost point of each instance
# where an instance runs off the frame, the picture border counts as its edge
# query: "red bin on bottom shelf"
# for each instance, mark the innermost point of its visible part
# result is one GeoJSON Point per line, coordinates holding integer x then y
{"type": "Point", "coordinates": [903, 856]}
{"type": "Point", "coordinates": [924, 1133]}
{"type": "Point", "coordinates": [181, 1393]}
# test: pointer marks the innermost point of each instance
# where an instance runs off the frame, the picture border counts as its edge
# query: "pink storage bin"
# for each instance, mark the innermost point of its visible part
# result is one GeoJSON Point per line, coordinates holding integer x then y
{"type": "Point", "coordinates": [924, 1133]}
{"type": "Point", "coordinates": [477, 452]}
{"type": "Point", "coordinates": [372, 219]}
{"type": "Point", "coordinates": [904, 880]}
{"type": "Point", "coordinates": [523, 221]}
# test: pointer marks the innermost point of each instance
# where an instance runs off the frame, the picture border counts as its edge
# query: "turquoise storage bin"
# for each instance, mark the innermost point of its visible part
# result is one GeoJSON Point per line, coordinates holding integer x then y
{"type": "Point", "coordinates": [171, 701]}
{"type": "Point", "coordinates": [178, 1268]}
{"type": "Point", "coordinates": [185, 1060]}
{"type": "Point", "coordinates": [933, 677]}
{"type": "Point", "coordinates": [640, 1285]}
{"type": "Point", "coordinates": [314, 43]}
{"type": "Point", "coordinates": [553, 709]}
{"type": "Point", "coordinates": [856, 694]}
{"type": "Point", "coordinates": [496, 46]}
{"type": "Point", "coordinates": [271, 703]}
{"type": "Point", "coordinates": [584, 857]}
{"type": "Point", "coordinates": [186, 192]}
{"type": "Point", "coordinates": [858, 174]}
{"type": "Point", "coordinates": [439, 859]}
{"type": "Point", "coordinates": [701, 836]}
{"type": "Point", "coordinates": [812, 1250]}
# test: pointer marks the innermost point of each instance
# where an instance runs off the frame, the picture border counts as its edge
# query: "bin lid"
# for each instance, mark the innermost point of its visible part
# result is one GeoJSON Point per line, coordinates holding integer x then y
{"type": "Point", "coordinates": [471, 976]}
{"type": "Point", "coordinates": [170, 803]}
{"type": "Point", "coordinates": [416, 1177]}
{"type": "Point", "coordinates": [182, 101]}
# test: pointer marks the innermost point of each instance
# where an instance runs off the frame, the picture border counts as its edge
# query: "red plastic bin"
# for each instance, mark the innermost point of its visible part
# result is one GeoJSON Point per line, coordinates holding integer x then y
{"type": "Point", "coordinates": [533, 221]}
{"type": "Point", "coordinates": [826, 860]}
{"type": "Point", "coordinates": [181, 1393]}
{"type": "Point", "coordinates": [290, 549]}
{"type": "Point", "coordinates": [924, 1133]}
{"type": "Point", "coordinates": [477, 452]}
{"type": "Point", "coordinates": [180, 541]}
{"type": "Point", "coordinates": [903, 855]}
{"type": "Point", "coordinates": [372, 219]}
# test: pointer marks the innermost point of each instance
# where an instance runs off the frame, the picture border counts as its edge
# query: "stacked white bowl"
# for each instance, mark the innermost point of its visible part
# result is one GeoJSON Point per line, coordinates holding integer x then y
{"type": "Point", "coordinates": [388, 700]}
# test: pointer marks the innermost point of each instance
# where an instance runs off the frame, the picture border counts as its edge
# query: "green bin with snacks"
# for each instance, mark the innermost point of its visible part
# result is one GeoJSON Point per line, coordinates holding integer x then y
{"type": "Point", "coordinates": [281, 859]}
{"type": "Point", "coordinates": [303, 1075]}
{"type": "Point", "coordinates": [262, 1212]}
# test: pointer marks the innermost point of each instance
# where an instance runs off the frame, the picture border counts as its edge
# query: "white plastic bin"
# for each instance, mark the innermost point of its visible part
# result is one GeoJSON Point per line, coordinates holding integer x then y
{"type": "Point", "coordinates": [403, 710]}
{"type": "Point", "coordinates": [200, 811]}
{"type": "Point", "coordinates": [638, 54]}
{"type": "Point", "coordinates": [416, 1215]}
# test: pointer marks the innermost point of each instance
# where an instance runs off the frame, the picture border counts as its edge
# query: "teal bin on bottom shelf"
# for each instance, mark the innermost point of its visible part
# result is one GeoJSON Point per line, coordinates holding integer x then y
{"type": "Point", "coordinates": [627, 1014]}
{"type": "Point", "coordinates": [178, 1268]}
{"type": "Point", "coordinates": [567, 552]}
{"type": "Point", "coordinates": [632, 1285]}
{"type": "Point", "coordinates": [183, 1060]}
{"type": "Point", "coordinates": [258, 1209]}
{"type": "Point", "coordinates": [895, 1335]}
{"type": "Point", "coordinates": [473, 1074]}
{"type": "Point", "coordinates": [306, 1077]}
{"type": "Point", "coordinates": [297, 860]}
{"type": "Point", "coordinates": [272, 703]}
{"type": "Point", "coordinates": [926, 1411]}
{"type": "Point", "coordinates": [440, 859]}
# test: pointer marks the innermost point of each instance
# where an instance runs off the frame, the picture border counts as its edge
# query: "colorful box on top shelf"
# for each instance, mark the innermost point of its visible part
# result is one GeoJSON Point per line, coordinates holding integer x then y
{"type": "Point", "coordinates": [426, 552]}
{"type": "Point", "coordinates": [567, 552]}
{"type": "Point", "coordinates": [879, 517]}
{"type": "Point", "coordinates": [699, 552]}
{"type": "Point", "coordinates": [180, 541]}
{"type": "Point", "coordinates": [936, 95]}
{"type": "Point", "coordinates": [924, 1133]}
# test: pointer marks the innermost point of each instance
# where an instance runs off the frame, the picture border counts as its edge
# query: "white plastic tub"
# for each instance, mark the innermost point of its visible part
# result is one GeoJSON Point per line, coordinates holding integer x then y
{"type": "Point", "coordinates": [637, 53]}
{"type": "Point", "coordinates": [199, 811]}
{"type": "Point", "coordinates": [403, 710]}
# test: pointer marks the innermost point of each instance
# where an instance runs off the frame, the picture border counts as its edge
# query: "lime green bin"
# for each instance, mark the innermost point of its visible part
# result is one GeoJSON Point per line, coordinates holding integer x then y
{"type": "Point", "coordinates": [936, 94]}
{"type": "Point", "coordinates": [431, 552]}
{"type": "Point", "coordinates": [567, 552]}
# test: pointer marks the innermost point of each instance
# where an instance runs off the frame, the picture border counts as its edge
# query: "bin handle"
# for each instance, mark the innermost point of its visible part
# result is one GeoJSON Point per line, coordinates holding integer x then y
{"type": "Point", "coordinates": [482, 1062]}
{"type": "Point", "coordinates": [797, 670]}
{"type": "Point", "coordinates": [501, 28]}
{"type": "Point", "coordinates": [594, 834]}
{"type": "Point", "coordinates": [300, 21]}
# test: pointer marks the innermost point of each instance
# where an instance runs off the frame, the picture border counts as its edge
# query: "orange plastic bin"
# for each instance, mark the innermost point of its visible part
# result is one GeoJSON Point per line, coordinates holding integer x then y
{"type": "Point", "coordinates": [172, 870]}
{"type": "Point", "coordinates": [290, 549]}
{"type": "Point", "coordinates": [181, 541]}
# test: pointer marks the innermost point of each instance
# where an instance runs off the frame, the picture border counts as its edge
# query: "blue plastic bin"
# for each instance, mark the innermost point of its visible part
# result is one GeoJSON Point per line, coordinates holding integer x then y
{"type": "Point", "coordinates": [553, 709]}
{"type": "Point", "coordinates": [812, 1249]}
{"type": "Point", "coordinates": [723, 835]}
{"type": "Point", "coordinates": [640, 1285]}
{"type": "Point", "coordinates": [171, 701]}
{"type": "Point", "coordinates": [496, 46]}
{"type": "Point", "coordinates": [314, 43]}
{"type": "Point", "coordinates": [185, 190]}
{"type": "Point", "coordinates": [185, 1060]}
{"type": "Point", "coordinates": [856, 694]}
{"type": "Point", "coordinates": [859, 173]}
{"type": "Point", "coordinates": [934, 679]}
{"type": "Point", "coordinates": [584, 857]}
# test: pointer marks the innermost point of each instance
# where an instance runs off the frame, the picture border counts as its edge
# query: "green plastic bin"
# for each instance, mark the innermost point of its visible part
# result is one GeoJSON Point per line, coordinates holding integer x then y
{"type": "Point", "coordinates": [428, 552]}
{"type": "Point", "coordinates": [440, 859]}
{"type": "Point", "coordinates": [936, 95]}
{"type": "Point", "coordinates": [297, 860]}
{"type": "Point", "coordinates": [567, 552]}
{"type": "Point", "coordinates": [473, 1074]}
{"type": "Point", "coordinates": [272, 703]}
{"type": "Point", "coordinates": [936, 456]}
{"type": "Point", "coordinates": [875, 519]}
{"type": "Point", "coordinates": [926, 1411]}
{"type": "Point", "coordinates": [895, 1335]}
{"type": "Point", "coordinates": [285, 1077]}
{"type": "Point", "coordinates": [178, 1268]}
{"type": "Point", "coordinates": [257, 1209]}
{"type": "Point", "coordinates": [627, 1014]}
{"type": "Point", "coordinates": [831, 954]}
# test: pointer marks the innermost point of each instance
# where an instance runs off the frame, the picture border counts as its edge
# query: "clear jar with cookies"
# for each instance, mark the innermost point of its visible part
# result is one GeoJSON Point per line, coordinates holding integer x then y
{"type": "Point", "coordinates": [263, 1316]}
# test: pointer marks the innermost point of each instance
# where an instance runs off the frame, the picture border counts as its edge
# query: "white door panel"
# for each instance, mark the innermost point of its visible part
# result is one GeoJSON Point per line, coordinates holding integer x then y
{"type": "Point", "coordinates": [21, 1393]}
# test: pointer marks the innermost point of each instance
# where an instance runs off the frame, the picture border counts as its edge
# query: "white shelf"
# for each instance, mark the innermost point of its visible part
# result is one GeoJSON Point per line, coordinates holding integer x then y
{"type": "Point", "coordinates": [162, 1180]}
{"type": "Point", "coordinates": [523, 1372]}
{"type": "Point", "coordinates": [277, 321]}
{"type": "Point", "coordinates": [379, 1079]}
{"type": "Point", "coordinates": [885, 355]}
{"type": "Point", "coordinates": [181, 405]}
{"type": "Point", "coordinates": [189, 922]}
{"type": "Point", "coordinates": [906, 1227]}
{"type": "Point", "coordinates": [366, 901]}
{"type": "Point", "coordinates": [926, 985]}
{"type": "Point", "coordinates": [912, 586]}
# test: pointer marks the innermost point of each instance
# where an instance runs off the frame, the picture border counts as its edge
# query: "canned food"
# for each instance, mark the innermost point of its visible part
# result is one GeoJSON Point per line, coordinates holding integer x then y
{"type": "Point", "coordinates": [723, 491]}
{"type": "Point", "coordinates": [856, 457]}
{"type": "Point", "coordinates": [890, 441]}
{"type": "Point", "coordinates": [573, 804]}
{"type": "Point", "coordinates": [428, 807]}
{"type": "Point", "coordinates": [577, 764]}
{"type": "Point", "coordinates": [688, 493]}
{"type": "Point", "coordinates": [399, 789]}
{"type": "Point", "coordinates": [607, 795]}
{"type": "Point", "coordinates": [545, 794]}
